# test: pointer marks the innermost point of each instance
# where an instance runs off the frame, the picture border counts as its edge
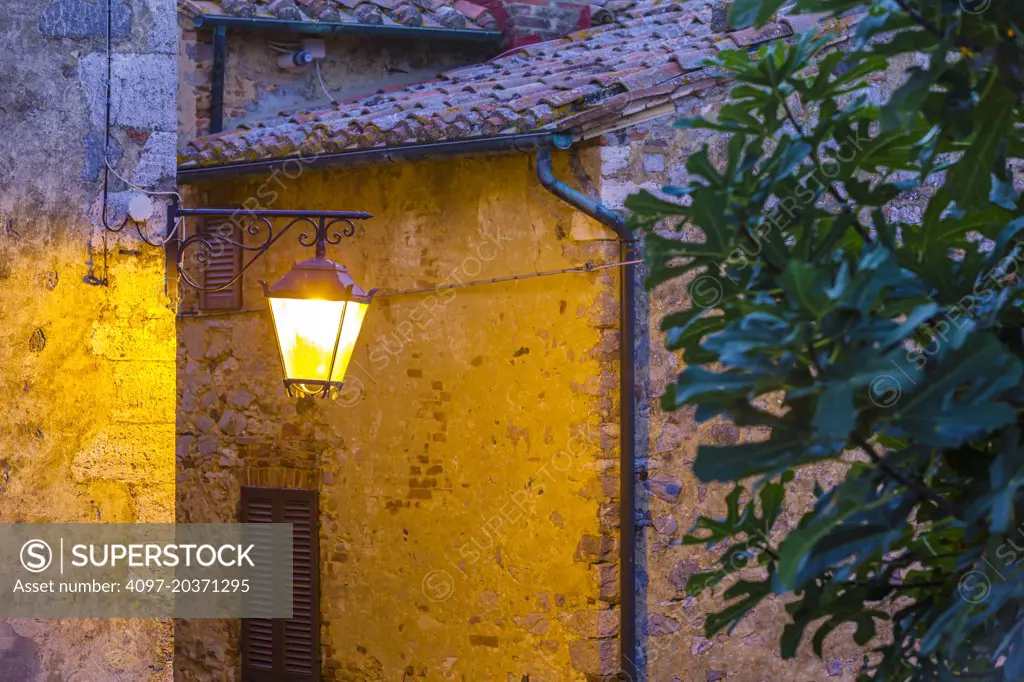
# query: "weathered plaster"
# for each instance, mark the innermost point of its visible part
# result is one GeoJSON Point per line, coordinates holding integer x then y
{"type": "Point", "coordinates": [469, 475]}
{"type": "Point", "coordinates": [88, 381]}
{"type": "Point", "coordinates": [143, 90]}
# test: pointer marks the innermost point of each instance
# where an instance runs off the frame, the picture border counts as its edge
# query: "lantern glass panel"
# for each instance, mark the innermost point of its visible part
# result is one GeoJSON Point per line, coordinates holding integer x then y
{"type": "Point", "coordinates": [307, 333]}
{"type": "Point", "coordinates": [353, 322]}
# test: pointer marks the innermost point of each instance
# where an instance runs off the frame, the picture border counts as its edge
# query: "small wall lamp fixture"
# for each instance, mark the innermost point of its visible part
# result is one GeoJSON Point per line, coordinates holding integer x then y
{"type": "Point", "coordinates": [317, 309]}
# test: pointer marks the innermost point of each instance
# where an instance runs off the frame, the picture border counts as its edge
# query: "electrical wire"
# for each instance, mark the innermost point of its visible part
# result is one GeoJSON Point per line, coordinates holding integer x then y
{"type": "Point", "coordinates": [586, 267]}
{"type": "Point", "coordinates": [106, 126]}
{"type": "Point", "coordinates": [579, 269]}
{"type": "Point", "coordinates": [108, 169]}
{"type": "Point", "coordinates": [177, 223]}
{"type": "Point", "coordinates": [90, 277]}
{"type": "Point", "coordinates": [142, 189]}
{"type": "Point", "coordinates": [322, 86]}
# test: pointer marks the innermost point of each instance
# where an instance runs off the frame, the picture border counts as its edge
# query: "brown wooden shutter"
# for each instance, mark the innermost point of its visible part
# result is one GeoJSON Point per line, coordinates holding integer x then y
{"type": "Point", "coordinates": [286, 649]}
{"type": "Point", "coordinates": [223, 263]}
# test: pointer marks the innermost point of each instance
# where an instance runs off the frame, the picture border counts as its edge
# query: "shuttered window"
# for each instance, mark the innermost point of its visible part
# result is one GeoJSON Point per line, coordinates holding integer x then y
{"type": "Point", "coordinates": [223, 262]}
{"type": "Point", "coordinates": [286, 650]}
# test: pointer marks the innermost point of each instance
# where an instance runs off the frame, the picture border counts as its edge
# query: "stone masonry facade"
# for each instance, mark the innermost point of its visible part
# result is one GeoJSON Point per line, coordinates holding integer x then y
{"type": "Point", "coordinates": [256, 88]}
{"type": "Point", "coordinates": [87, 390]}
{"type": "Point", "coordinates": [566, 633]}
{"type": "Point", "coordinates": [671, 628]}
{"type": "Point", "coordinates": [468, 475]}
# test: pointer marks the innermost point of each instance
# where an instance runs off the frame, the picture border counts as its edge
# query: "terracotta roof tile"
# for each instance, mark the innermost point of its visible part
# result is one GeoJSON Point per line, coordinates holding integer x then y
{"type": "Point", "coordinates": [755, 36]}
{"type": "Point", "coordinates": [592, 77]}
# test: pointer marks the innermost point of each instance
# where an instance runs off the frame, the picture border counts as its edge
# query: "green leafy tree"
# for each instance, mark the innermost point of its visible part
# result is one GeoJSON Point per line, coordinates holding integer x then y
{"type": "Point", "coordinates": [854, 258]}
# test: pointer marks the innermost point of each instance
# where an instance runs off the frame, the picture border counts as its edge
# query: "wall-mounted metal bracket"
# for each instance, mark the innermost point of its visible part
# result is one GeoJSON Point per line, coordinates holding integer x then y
{"type": "Point", "coordinates": [320, 229]}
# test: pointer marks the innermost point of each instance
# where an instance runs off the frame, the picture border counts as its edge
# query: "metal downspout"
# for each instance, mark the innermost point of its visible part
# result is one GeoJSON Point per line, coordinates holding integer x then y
{"type": "Point", "coordinates": [627, 399]}
{"type": "Point", "coordinates": [220, 57]}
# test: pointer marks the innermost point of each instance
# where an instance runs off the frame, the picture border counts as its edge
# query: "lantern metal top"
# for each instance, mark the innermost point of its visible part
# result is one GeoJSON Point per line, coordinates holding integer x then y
{"type": "Point", "coordinates": [319, 279]}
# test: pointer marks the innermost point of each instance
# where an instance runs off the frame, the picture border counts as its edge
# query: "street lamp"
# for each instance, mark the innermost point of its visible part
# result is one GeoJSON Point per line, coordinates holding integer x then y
{"type": "Point", "coordinates": [318, 310]}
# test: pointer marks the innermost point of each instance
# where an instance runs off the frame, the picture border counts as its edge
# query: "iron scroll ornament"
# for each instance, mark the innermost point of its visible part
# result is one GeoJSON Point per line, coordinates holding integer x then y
{"type": "Point", "coordinates": [321, 228]}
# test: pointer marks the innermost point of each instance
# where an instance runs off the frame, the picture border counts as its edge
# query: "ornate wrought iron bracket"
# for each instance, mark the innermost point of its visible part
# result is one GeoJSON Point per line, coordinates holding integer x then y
{"type": "Point", "coordinates": [320, 228]}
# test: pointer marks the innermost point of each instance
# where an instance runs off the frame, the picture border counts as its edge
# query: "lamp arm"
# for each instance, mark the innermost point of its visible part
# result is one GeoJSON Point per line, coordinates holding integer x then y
{"type": "Point", "coordinates": [318, 234]}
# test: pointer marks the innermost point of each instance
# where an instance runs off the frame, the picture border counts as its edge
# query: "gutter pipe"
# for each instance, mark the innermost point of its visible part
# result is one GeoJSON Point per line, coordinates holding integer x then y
{"type": "Point", "coordinates": [220, 58]}
{"type": "Point", "coordinates": [505, 143]}
{"type": "Point", "coordinates": [627, 396]}
{"type": "Point", "coordinates": [542, 143]}
{"type": "Point", "coordinates": [331, 28]}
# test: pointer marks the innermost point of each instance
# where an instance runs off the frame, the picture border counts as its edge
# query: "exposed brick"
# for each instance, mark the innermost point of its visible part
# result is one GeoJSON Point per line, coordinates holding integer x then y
{"type": "Point", "coordinates": [483, 640]}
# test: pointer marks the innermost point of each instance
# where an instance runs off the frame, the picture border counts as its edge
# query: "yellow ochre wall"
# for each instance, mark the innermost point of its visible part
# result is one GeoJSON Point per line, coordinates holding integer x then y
{"type": "Point", "coordinates": [87, 403]}
{"type": "Point", "coordinates": [87, 380]}
{"type": "Point", "coordinates": [468, 475]}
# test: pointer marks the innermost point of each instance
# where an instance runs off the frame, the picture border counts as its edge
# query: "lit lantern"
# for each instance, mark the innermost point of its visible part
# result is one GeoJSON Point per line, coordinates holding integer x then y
{"type": "Point", "coordinates": [318, 310]}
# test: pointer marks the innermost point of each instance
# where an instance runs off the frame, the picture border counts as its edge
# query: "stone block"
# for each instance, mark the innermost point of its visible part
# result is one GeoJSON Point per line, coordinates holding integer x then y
{"type": "Point", "coordinates": [654, 163]}
{"type": "Point", "coordinates": [659, 625]}
{"type": "Point", "coordinates": [157, 162]}
{"type": "Point", "coordinates": [84, 19]}
{"type": "Point", "coordinates": [534, 623]}
{"type": "Point", "coordinates": [128, 453]}
{"type": "Point", "coordinates": [596, 548]}
{"type": "Point", "coordinates": [594, 624]}
{"type": "Point", "coordinates": [664, 488]}
{"type": "Point", "coordinates": [143, 86]}
{"type": "Point", "coordinates": [595, 656]}
{"type": "Point", "coordinates": [614, 159]}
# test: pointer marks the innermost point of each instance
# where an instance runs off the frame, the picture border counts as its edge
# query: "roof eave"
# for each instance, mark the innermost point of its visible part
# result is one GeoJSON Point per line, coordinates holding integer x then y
{"type": "Point", "coordinates": [520, 142]}
{"type": "Point", "coordinates": [331, 28]}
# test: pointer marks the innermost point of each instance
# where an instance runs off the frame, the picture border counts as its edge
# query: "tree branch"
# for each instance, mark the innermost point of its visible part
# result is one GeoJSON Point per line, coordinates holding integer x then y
{"type": "Point", "coordinates": [919, 18]}
{"type": "Point", "coordinates": [830, 188]}
{"type": "Point", "coordinates": [920, 489]}
{"type": "Point", "coordinates": [921, 21]}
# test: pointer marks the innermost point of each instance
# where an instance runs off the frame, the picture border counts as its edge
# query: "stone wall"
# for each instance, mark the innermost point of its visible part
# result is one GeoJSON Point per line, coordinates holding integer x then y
{"type": "Point", "coordinates": [255, 88]}
{"type": "Point", "coordinates": [533, 20]}
{"type": "Point", "coordinates": [670, 638]}
{"type": "Point", "coordinates": [468, 473]}
{"type": "Point", "coordinates": [87, 389]}
{"type": "Point", "coordinates": [671, 627]}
